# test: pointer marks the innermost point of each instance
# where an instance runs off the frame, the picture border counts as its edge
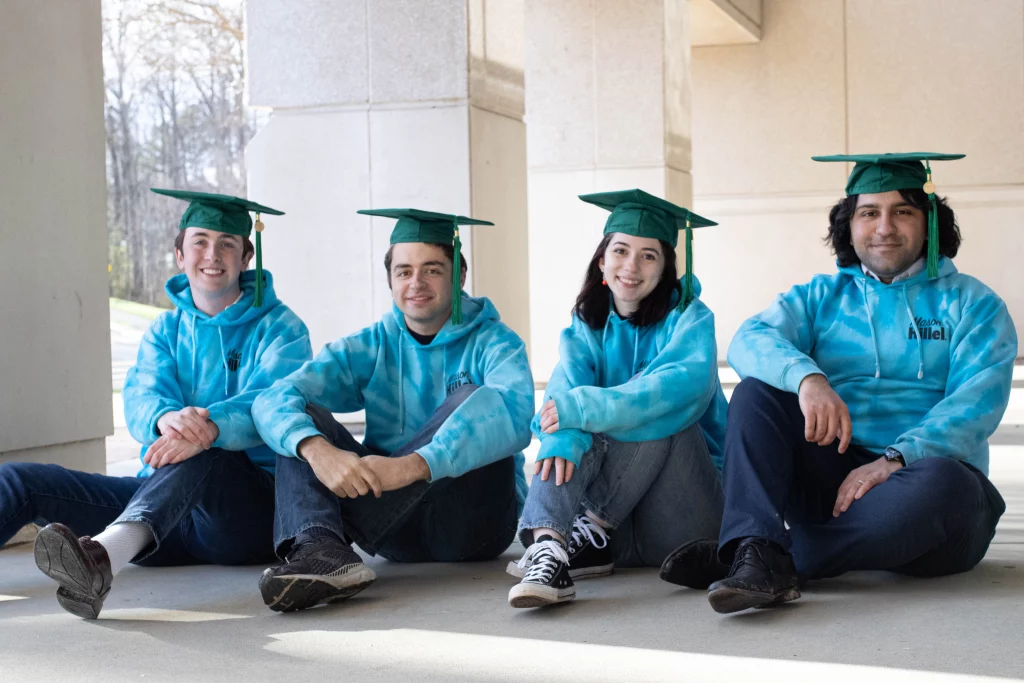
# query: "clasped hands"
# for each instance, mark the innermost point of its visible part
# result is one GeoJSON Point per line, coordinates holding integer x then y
{"type": "Point", "coordinates": [183, 434]}
{"type": "Point", "coordinates": [351, 476]}
{"type": "Point", "coordinates": [826, 418]}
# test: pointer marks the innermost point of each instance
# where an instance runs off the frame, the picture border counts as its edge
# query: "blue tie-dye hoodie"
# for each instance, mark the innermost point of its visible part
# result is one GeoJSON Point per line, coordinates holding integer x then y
{"type": "Point", "coordinates": [924, 365]}
{"type": "Point", "coordinates": [400, 383]}
{"type": "Point", "coordinates": [636, 383]}
{"type": "Point", "coordinates": [221, 363]}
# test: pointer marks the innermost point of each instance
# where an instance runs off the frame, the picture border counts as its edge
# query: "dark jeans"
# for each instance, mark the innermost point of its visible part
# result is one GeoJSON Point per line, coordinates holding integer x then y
{"type": "Point", "coordinates": [936, 516]}
{"type": "Point", "coordinates": [472, 517]}
{"type": "Point", "coordinates": [214, 508]}
{"type": "Point", "coordinates": [656, 495]}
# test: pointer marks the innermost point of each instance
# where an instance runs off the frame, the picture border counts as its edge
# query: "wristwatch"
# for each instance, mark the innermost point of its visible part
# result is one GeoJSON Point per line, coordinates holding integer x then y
{"type": "Point", "coordinates": [893, 454]}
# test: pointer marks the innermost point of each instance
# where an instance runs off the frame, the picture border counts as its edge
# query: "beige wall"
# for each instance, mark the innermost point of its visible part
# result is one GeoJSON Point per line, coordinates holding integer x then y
{"type": "Point", "coordinates": [834, 76]}
{"type": "Point", "coordinates": [608, 108]}
{"type": "Point", "coordinates": [387, 103]}
{"type": "Point", "coordinates": [55, 336]}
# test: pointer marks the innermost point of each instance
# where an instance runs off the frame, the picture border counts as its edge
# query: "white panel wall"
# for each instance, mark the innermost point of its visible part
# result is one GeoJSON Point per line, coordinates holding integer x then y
{"type": "Point", "coordinates": [834, 76]}
{"type": "Point", "coordinates": [55, 336]}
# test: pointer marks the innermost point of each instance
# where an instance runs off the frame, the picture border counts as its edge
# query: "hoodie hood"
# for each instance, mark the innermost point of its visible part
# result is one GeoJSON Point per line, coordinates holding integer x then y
{"type": "Point", "coordinates": [476, 311]}
{"type": "Point", "coordinates": [238, 313]}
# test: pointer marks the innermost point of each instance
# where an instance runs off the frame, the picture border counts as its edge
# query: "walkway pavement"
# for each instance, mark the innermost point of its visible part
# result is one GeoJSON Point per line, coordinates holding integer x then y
{"type": "Point", "coordinates": [451, 623]}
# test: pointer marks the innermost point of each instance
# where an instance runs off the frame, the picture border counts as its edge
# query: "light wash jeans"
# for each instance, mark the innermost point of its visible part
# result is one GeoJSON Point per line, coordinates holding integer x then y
{"type": "Point", "coordinates": [656, 495]}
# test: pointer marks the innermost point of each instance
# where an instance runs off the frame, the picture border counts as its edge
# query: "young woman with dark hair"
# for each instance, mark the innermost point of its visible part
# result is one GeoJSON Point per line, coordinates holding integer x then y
{"type": "Point", "coordinates": [632, 422]}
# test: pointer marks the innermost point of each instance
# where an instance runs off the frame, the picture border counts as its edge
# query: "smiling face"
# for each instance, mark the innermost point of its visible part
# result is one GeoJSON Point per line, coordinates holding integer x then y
{"type": "Point", "coordinates": [421, 285]}
{"type": "Point", "coordinates": [887, 232]}
{"type": "Point", "coordinates": [212, 262]}
{"type": "Point", "coordinates": [632, 267]}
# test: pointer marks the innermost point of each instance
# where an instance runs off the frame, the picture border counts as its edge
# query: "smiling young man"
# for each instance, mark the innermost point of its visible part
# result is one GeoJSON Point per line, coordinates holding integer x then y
{"type": "Point", "coordinates": [448, 396]}
{"type": "Point", "coordinates": [206, 490]}
{"type": "Point", "coordinates": [857, 438]}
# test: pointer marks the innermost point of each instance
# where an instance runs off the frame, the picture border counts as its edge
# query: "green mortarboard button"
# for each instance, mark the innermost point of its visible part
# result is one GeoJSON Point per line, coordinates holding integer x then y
{"type": "Point", "coordinates": [224, 213]}
{"type": "Point", "coordinates": [878, 173]}
{"type": "Point", "coordinates": [430, 227]}
{"type": "Point", "coordinates": [638, 213]}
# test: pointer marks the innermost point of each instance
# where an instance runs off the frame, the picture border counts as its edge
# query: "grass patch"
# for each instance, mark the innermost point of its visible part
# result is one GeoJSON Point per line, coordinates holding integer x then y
{"type": "Point", "coordinates": [132, 308]}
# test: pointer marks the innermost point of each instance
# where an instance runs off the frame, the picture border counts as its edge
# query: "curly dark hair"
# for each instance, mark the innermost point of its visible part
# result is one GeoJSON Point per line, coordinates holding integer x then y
{"type": "Point", "coordinates": [593, 303]}
{"type": "Point", "coordinates": [838, 238]}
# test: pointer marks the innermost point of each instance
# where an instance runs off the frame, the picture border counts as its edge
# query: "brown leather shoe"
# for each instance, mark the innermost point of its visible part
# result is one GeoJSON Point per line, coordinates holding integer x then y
{"type": "Point", "coordinates": [80, 565]}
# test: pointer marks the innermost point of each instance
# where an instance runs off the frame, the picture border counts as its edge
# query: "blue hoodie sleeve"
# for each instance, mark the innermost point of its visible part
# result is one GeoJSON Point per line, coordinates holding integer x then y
{"type": "Point", "coordinates": [774, 346]}
{"type": "Point", "coordinates": [671, 394]}
{"type": "Point", "coordinates": [982, 353]}
{"type": "Point", "coordinates": [334, 380]}
{"type": "Point", "coordinates": [576, 367]}
{"type": "Point", "coordinates": [494, 421]}
{"type": "Point", "coordinates": [151, 385]}
{"type": "Point", "coordinates": [282, 349]}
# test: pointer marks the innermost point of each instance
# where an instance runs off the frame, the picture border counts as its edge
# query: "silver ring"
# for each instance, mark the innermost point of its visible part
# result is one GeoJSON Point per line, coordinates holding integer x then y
{"type": "Point", "coordinates": [860, 481]}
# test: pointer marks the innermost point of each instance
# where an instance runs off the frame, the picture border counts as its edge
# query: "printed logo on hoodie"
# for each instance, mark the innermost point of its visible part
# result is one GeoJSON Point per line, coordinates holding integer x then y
{"type": "Point", "coordinates": [234, 359]}
{"type": "Point", "coordinates": [456, 380]}
{"type": "Point", "coordinates": [930, 328]}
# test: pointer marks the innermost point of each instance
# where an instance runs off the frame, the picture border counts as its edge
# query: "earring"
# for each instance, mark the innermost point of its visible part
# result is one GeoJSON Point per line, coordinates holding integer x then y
{"type": "Point", "coordinates": [604, 282]}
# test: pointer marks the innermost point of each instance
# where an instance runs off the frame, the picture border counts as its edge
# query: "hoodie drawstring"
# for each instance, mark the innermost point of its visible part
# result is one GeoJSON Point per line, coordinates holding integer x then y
{"type": "Point", "coordinates": [636, 348]}
{"type": "Point", "coordinates": [871, 326]}
{"type": "Point", "coordinates": [195, 323]}
{"type": "Point", "coordinates": [917, 333]}
{"type": "Point", "coordinates": [401, 385]}
{"type": "Point", "coordinates": [224, 360]}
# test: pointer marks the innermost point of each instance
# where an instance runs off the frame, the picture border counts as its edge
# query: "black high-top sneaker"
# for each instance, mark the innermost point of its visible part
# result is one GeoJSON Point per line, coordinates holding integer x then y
{"type": "Point", "coordinates": [547, 579]}
{"type": "Point", "coordinates": [589, 553]}
{"type": "Point", "coordinates": [762, 574]}
{"type": "Point", "coordinates": [320, 570]}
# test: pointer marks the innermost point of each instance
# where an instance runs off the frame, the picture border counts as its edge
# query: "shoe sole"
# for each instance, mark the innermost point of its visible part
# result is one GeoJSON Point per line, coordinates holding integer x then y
{"type": "Point", "coordinates": [575, 574]}
{"type": "Point", "coordinates": [729, 600]}
{"type": "Point", "coordinates": [57, 556]}
{"type": "Point", "coordinates": [295, 592]}
{"type": "Point", "coordinates": [533, 595]}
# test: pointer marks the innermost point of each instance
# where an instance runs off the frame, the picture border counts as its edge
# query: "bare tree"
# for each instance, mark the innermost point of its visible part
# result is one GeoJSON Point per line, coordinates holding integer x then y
{"type": "Point", "coordinates": [176, 117]}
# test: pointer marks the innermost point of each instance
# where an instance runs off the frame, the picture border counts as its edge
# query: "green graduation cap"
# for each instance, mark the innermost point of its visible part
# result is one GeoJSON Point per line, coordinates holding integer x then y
{"type": "Point", "coordinates": [877, 173]}
{"type": "Point", "coordinates": [638, 213]}
{"type": "Point", "coordinates": [415, 225]}
{"type": "Point", "coordinates": [224, 213]}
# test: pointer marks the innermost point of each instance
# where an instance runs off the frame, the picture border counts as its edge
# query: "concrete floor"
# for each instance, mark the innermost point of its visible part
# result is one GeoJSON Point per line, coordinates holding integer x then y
{"type": "Point", "coordinates": [451, 623]}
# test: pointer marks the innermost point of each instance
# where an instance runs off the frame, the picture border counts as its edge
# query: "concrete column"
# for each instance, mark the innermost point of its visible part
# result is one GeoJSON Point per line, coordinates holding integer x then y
{"type": "Point", "coordinates": [387, 103]}
{"type": "Point", "coordinates": [608, 107]}
{"type": "Point", "coordinates": [55, 336]}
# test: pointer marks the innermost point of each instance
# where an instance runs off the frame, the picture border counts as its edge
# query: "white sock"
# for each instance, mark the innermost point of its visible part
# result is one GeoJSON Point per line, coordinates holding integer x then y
{"type": "Point", "coordinates": [123, 542]}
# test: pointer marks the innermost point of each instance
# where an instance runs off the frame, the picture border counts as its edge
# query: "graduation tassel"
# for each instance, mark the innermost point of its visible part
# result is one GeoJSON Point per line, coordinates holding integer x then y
{"type": "Point", "coordinates": [259, 263]}
{"type": "Point", "coordinates": [688, 292]}
{"type": "Point", "coordinates": [457, 278]}
{"type": "Point", "coordinates": [933, 225]}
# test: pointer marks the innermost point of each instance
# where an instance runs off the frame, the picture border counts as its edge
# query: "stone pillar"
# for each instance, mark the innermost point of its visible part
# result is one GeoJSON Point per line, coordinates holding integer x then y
{"type": "Point", "coordinates": [55, 337]}
{"type": "Point", "coordinates": [386, 103]}
{"type": "Point", "coordinates": [608, 107]}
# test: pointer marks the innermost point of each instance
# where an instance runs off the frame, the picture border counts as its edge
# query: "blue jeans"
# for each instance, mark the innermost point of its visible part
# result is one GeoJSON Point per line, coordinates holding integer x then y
{"type": "Point", "coordinates": [472, 517]}
{"type": "Point", "coordinates": [933, 517]}
{"type": "Point", "coordinates": [214, 508]}
{"type": "Point", "coordinates": [656, 495]}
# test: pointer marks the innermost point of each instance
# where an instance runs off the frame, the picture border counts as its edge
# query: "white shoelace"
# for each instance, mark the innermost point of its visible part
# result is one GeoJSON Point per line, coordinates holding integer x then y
{"type": "Point", "coordinates": [585, 528]}
{"type": "Point", "coordinates": [542, 559]}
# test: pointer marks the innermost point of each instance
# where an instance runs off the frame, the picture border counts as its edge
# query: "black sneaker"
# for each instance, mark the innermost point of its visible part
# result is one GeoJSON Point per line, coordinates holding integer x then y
{"type": "Point", "coordinates": [321, 571]}
{"type": "Point", "coordinates": [694, 565]}
{"type": "Point", "coordinates": [762, 574]}
{"type": "Point", "coordinates": [547, 580]}
{"type": "Point", "coordinates": [589, 553]}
